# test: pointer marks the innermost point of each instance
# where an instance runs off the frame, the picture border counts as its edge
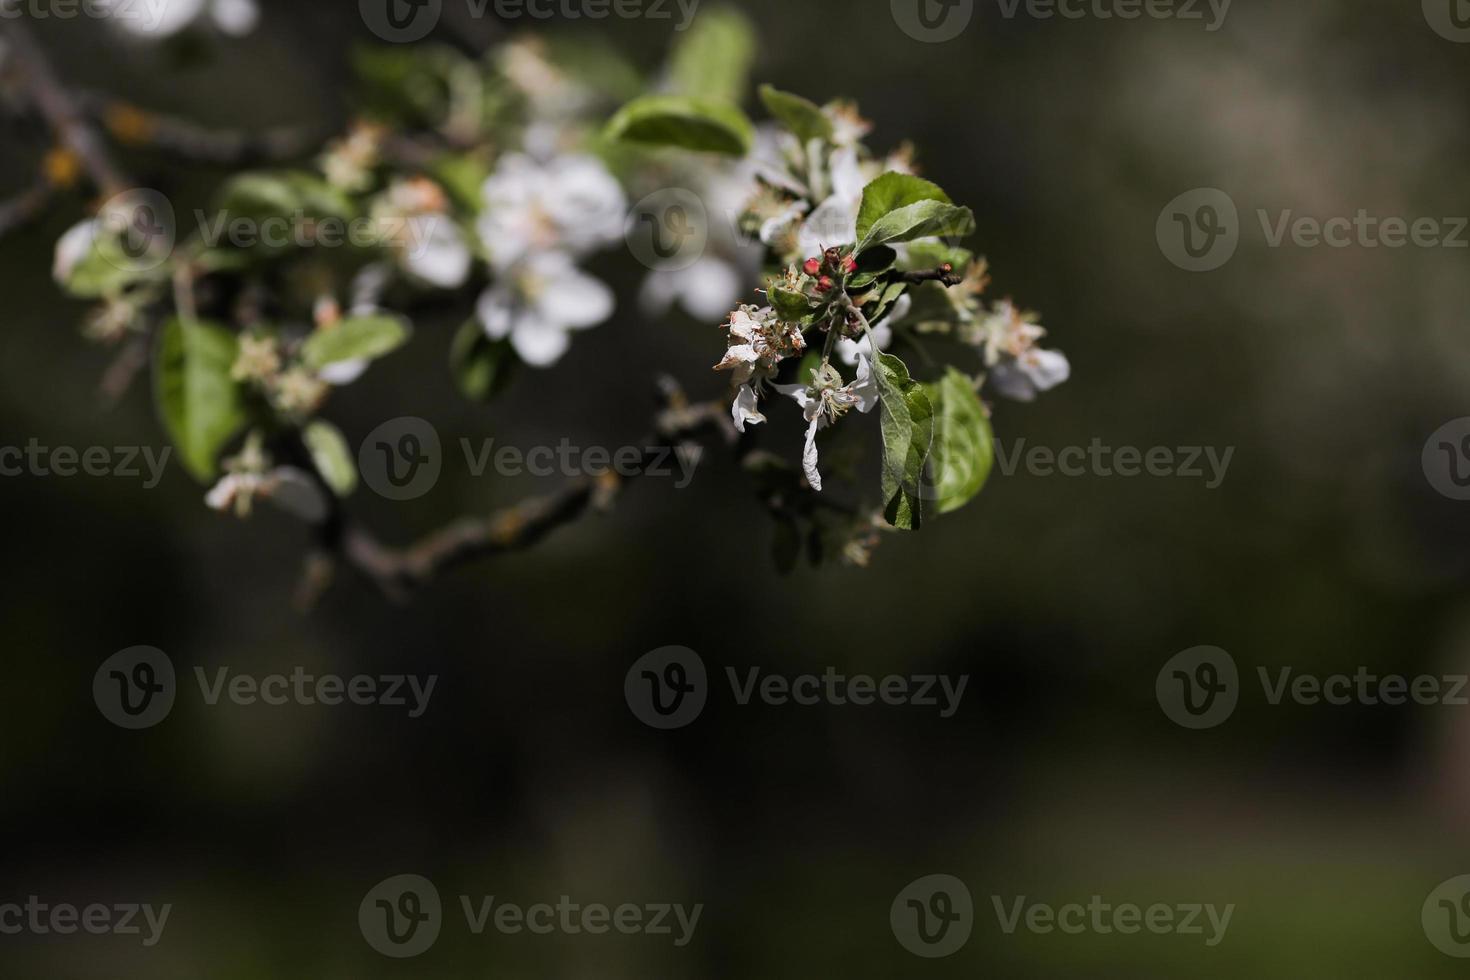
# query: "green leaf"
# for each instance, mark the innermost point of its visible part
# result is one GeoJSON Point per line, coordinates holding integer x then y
{"type": "Point", "coordinates": [200, 404]}
{"type": "Point", "coordinates": [282, 194]}
{"type": "Point", "coordinates": [922, 256]}
{"type": "Point", "coordinates": [891, 192]}
{"type": "Point", "coordinates": [332, 456]}
{"type": "Point", "coordinates": [354, 339]}
{"type": "Point", "coordinates": [482, 367]}
{"type": "Point", "coordinates": [964, 446]}
{"type": "Point", "coordinates": [908, 434]}
{"type": "Point", "coordinates": [463, 177]}
{"type": "Point", "coordinates": [712, 59]}
{"type": "Point", "coordinates": [790, 304]}
{"type": "Point", "coordinates": [702, 125]}
{"type": "Point", "coordinates": [807, 369]}
{"type": "Point", "coordinates": [870, 265]}
{"type": "Point", "coordinates": [925, 219]}
{"type": "Point", "coordinates": [802, 116]}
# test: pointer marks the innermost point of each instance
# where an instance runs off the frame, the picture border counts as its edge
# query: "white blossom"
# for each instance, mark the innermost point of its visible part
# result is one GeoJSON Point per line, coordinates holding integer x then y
{"type": "Point", "coordinates": [570, 205]}
{"type": "Point", "coordinates": [160, 19]}
{"type": "Point", "coordinates": [823, 402]}
{"type": "Point", "coordinates": [704, 290]}
{"type": "Point", "coordinates": [539, 302]}
{"type": "Point", "coordinates": [1019, 368]}
{"type": "Point", "coordinates": [289, 489]}
{"type": "Point", "coordinates": [72, 248]}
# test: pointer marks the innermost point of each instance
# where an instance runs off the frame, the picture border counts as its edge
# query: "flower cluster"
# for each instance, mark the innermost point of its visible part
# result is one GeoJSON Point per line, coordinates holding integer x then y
{"type": "Point", "coordinates": [492, 182]}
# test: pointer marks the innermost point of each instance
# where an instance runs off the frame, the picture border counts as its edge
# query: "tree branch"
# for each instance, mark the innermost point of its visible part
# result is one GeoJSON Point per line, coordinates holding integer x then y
{"type": "Point", "coordinates": [944, 275]}
{"type": "Point", "coordinates": [68, 123]}
{"type": "Point", "coordinates": [25, 207]}
{"type": "Point", "coordinates": [187, 140]}
{"type": "Point", "coordinates": [399, 572]}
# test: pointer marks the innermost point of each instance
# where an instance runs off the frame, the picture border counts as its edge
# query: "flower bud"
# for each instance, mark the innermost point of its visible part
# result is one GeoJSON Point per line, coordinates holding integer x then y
{"type": "Point", "coordinates": [849, 265]}
{"type": "Point", "coordinates": [813, 266]}
{"type": "Point", "coordinates": [825, 284]}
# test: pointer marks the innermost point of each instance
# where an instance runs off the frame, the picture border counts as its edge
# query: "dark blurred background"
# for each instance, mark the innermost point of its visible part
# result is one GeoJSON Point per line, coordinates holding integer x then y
{"type": "Point", "coordinates": [1325, 549]}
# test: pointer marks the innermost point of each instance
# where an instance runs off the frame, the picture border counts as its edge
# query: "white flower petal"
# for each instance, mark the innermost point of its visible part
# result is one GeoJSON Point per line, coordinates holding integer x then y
{"type": "Point", "coordinates": [496, 311]}
{"type": "Point", "coordinates": [809, 456]}
{"type": "Point", "coordinates": [1012, 382]}
{"type": "Point", "coordinates": [222, 495]}
{"type": "Point", "coordinates": [745, 410]}
{"type": "Point", "coordinates": [155, 19]}
{"type": "Point", "coordinates": [848, 182]}
{"type": "Point", "coordinates": [576, 300]}
{"type": "Point", "coordinates": [71, 248]}
{"type": "Point", "coordinates": [437, 253]}
{"type": "Point", "coordinates": [1046, 368]}
{"type": "Point", "coordinates": [539, 344]}
{"type": "Point", "coordinates": [343, 372]}
{"type": "Point", "coordinates": [236, 17]}
{"type": "Point", "coordinates": [295, 493]}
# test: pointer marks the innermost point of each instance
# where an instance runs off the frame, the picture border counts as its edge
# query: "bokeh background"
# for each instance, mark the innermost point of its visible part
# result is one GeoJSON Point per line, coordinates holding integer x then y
{"type": "Point", "coordinates": [1325, 549]}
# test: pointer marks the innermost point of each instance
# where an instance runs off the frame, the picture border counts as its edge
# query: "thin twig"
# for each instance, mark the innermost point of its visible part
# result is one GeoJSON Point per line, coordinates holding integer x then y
{"type": "Point", "coordinates": [399, 572]}
{"type": "Point", "coordinates": [131, 125]}
{"type": "Point", "coordinates": [944, 275]}
{"type": "Point", "coordinates": [25, 207]}
{"type": "Point", "coordinates": [69, 124]}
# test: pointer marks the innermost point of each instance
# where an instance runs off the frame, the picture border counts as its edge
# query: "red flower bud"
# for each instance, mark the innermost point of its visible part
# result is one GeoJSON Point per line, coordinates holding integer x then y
{"type": "Point", "coordinates": [825, 284]}
{"type": "Point", "coordinates": [813, 266]}
{"type": "Point", "coordinates": [849, 265]}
